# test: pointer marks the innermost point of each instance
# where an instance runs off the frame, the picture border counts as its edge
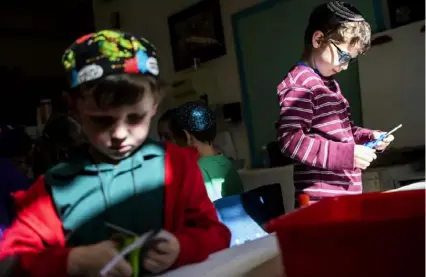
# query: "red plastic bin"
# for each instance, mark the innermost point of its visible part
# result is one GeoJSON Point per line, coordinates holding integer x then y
{"type": "Point", "coordinates": [372, 235]}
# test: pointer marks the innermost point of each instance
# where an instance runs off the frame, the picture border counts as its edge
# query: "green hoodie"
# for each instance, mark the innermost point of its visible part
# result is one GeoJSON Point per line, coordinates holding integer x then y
{"type": "Point", "coordinates": [220, 176]}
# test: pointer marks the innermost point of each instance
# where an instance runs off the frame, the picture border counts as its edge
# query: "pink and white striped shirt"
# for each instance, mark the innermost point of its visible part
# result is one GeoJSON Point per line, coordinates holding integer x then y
{"type": "Point", "coordinates": [315, 129]}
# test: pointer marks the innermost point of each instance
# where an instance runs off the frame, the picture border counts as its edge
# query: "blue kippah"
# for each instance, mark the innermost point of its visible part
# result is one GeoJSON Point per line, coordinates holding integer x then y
{"type": "Point", "coordinates": [195, 117]}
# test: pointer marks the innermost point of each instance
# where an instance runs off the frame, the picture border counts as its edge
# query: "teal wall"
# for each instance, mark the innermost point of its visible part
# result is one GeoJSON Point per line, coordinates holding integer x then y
{"type": "Point", "coordinates": [269, 40]}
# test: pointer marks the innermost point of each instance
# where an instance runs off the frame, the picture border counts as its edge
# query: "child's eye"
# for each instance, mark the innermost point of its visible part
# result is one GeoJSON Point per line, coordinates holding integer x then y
{"type": "Point", "coordinates": [103, 121]}
{"type": "Point", "coordinates": [135, 118]}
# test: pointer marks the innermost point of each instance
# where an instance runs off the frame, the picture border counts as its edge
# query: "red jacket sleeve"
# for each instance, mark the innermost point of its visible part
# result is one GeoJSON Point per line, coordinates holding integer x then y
{"type": "Point", "coordinates": [36, 237]}
{"type": "Point", "coordinates": [202, 233]}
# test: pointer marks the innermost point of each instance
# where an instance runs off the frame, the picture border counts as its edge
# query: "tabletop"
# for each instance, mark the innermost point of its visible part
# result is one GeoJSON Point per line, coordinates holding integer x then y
{"type": "Point", "coordinates": [252, 259]}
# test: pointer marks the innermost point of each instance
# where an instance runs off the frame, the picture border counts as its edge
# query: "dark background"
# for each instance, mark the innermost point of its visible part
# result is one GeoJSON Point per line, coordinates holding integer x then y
{"type": "Point", "coordinates": [21, 89]}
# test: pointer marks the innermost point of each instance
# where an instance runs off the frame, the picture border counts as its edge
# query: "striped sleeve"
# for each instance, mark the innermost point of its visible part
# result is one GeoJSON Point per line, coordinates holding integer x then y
{"type": "Point", "coordinates": [296, 112]}
{"type": "Point", "coordinates": [361, 135]}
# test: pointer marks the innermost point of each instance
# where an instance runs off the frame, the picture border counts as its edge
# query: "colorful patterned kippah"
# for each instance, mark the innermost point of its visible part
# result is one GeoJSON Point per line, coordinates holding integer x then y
{"type": "Point", "coordinates": [107, 52]}
{"type": "Point", "coordinates": [345, 11]}
{"type": "Point", "coordinates": [195, 117]}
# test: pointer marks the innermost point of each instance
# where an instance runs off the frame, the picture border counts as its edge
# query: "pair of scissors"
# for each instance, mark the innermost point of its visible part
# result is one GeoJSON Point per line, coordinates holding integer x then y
{"type": "Point", "coordinates": [139, 252]}
{"type": "Point", "coordinates": [372, 144]}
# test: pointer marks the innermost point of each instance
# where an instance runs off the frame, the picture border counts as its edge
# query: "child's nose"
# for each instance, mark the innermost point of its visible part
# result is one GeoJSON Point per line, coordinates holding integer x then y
{"type": "Point", "coordinates": [119, 133]}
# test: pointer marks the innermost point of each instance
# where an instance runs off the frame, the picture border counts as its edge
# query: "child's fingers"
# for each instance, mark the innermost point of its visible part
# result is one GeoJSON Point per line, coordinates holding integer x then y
{"type": "Point", "coordinates": [118, 240]}
{"type": "Point", "coordinates": [163, 247]}
{"type": "Point", "coordinates": [152, 265]}
{"type": "Point", "coordinates": [385, 143]}
{"type": "Point", "coordinates": [122, 269]}
{"type": "Point", "coordinates": [389, 139]}
{"type": "Point", "coordinates": [380, 144]}
{"type": "Point", "coordinates": [377, 135]}
{"type": "Point", "coordinates": [114, 273]}
{"type": "Point", "coordinates": [114, 244]}
{"type": "Point", "coordinates": [156, 256]}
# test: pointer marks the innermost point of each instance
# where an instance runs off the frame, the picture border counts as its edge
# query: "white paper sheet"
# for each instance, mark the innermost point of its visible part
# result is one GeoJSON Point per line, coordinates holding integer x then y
{"type": "Point", "coordinates": [231, 262]}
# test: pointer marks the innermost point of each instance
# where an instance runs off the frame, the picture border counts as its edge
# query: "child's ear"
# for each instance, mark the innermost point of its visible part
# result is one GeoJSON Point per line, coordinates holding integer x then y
{"type": "Point", "coordinates": [188, 137]}
{"type": "Point", "coordinates": [317, 39]}
{"type": "Point", "coordinates": [154, 110]}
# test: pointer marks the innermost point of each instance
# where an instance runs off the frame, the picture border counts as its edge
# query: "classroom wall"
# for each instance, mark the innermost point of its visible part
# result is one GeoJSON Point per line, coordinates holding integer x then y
{"type": "Point", "coordinates": [393, 87]}
{"type": "Point", "coordinates": [149, 18]}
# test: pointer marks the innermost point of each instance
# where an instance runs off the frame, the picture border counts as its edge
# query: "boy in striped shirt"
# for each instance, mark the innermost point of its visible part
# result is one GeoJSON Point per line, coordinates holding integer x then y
{"type": "Point", "coordinates": [315, 127]}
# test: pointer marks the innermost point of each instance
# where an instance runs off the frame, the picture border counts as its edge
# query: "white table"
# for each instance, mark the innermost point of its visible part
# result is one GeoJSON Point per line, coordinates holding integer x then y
{"type": "Point", "coordinates": [254, 178]}
{"type": "Point", "coordinates": [238, 261]}
{"type": "Point", "coordinates": [415, 186]}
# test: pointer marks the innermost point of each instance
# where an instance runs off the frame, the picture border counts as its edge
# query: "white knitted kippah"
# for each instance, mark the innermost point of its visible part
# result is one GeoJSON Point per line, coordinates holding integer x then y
{"type": "Point", "coordinates": [339, 9]}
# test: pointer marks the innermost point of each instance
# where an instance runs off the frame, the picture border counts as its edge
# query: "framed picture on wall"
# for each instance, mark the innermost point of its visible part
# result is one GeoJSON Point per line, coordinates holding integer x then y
{"type": "Point", "coordinates": [196, 34]}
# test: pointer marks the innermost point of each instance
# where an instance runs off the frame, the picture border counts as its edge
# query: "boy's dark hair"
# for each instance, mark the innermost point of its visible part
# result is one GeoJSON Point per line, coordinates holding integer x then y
{"type": "Point", "coordinates": [15, 143]}
{"type": "Point", "coordinates": [206, 136]}
{"type": "Point", "coordinates": [177, 131]}
{"type": "Point", "coordinates": [197, 119]}
{"type": "Point", "coordinates": [119, 90]}
{"type": "Point", "coordinates": [340, 22]}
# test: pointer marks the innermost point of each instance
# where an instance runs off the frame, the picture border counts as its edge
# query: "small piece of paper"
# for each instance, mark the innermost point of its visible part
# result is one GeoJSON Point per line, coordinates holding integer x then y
{"type": "Point", "coordinates": [137, 244]}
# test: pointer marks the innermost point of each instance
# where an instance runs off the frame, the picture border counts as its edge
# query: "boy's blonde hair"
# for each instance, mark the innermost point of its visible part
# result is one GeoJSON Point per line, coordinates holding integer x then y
{"type": "Point", "coordinates": [340, 22]}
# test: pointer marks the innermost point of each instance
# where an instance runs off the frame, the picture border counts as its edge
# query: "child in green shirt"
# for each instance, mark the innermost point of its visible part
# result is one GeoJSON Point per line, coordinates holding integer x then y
{"type": "Point", "coordinates": [194, 125]}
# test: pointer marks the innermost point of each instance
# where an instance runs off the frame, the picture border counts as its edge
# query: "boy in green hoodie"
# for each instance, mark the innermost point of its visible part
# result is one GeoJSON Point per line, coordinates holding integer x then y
{"type": "Point", "coordinates": [194, 125]}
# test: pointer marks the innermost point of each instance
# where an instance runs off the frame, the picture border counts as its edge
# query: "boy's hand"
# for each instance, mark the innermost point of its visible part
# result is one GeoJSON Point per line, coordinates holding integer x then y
{"type": "Point", "coordinates": [381, 146]}
{"type": "Point", "coordinates": [89, 260]}
{"type": "Point", "coordinates": [162, 256]}
{"type": "Point", "coordinates": [363, 156]}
